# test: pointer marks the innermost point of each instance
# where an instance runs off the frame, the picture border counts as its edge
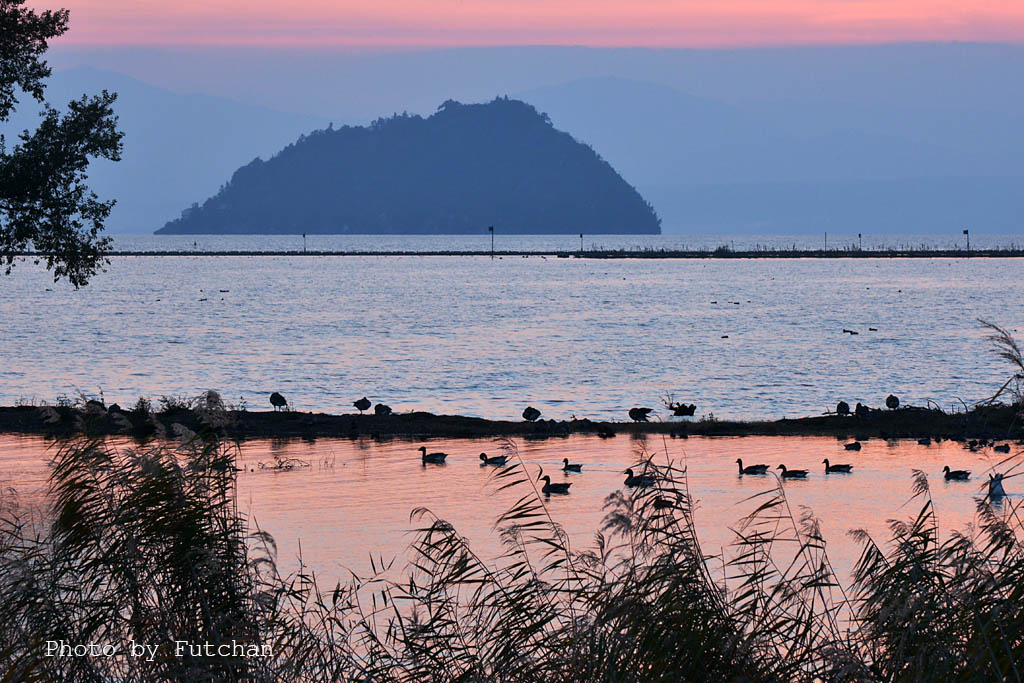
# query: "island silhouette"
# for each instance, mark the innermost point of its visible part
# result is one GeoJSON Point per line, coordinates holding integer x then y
{"type": "Point", "coordinates": [458, 171]}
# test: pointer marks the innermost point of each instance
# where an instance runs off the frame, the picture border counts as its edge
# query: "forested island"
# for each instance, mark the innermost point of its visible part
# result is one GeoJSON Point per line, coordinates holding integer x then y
{"type": "Point", "coordinates": [459, 171]}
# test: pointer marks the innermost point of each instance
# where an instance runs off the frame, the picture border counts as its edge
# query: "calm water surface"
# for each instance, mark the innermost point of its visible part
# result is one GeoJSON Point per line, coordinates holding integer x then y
{"type": "Point", "coordinates": [475, 336]}
{"type": "Point", "coordinates": [356, 496]}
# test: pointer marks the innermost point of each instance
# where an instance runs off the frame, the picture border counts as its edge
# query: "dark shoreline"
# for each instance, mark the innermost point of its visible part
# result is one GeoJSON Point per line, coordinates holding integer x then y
{"type": "Point", "coordinates": [984, 422]}
{"type": "Point", "coordinates": [720, 253]}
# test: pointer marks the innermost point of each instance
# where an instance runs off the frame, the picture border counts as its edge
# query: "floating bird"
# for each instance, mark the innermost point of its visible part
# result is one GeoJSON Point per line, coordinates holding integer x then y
{"type": "Point", "coordinates": [362, 404]}
{"type": "Point", "coordinates": [381, 409]}
{"type": "Point", "coordinates": [873, 329]}
{"type": "Point", "coordinates": [1002, 448]}
{"type": "Point", "coordinates": [956, 475]}
{"type": "Point", "coordinates": [550, 488]}
{"type": "Point", "coordinates": [842, 408]}
{"type": "Point", "coordinates": [640, 414]}
{"type": "Point", "coordinates": [638, 480]}
{"type": "Point", "coordinates": [846, 331]}
{"type": "Point", "coordinates": [792, 474]}
{"type": "Point", "coordinates": [751, 469]}
{"type": "Point", "coordinates": [497, 460]}
{"type": "Point", "coordinates": [830, 469]}
{"type": "Point", "coordinates": [925, 441]}
{"type": "Point", "coordinates": [570, 467]}
{"type": "Point", "coordinates": [855, 446]}
{"type": "Point", "coordinates": [435, 458]}
{"type": "Point", "coordinates": [531, 414]}
{"type": "Point", "coordinates": [278, 401]}
{"type": "Point", "coordinates": [995, 486]}
{"type": "Point", "coordinates": [892, 402]}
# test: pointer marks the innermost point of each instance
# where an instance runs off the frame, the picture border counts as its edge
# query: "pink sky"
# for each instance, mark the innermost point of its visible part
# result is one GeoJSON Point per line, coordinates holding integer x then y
{"type": "Point", "coordinates": [655, 23]}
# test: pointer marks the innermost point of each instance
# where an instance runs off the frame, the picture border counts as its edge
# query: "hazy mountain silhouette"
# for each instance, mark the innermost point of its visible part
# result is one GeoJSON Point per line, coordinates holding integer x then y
{"type": "Point", "coordinates": [458, 171]}
{"type": "Point", "coordinates": [176, 147]}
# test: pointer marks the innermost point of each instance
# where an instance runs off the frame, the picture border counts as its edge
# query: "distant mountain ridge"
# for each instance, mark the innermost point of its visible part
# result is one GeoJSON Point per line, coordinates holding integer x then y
{"type": "Point", "coordinates": [458, 171]}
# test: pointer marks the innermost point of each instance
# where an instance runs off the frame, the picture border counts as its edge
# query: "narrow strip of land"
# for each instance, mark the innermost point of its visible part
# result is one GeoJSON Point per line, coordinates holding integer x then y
{"type": "Point", "coordinates": [992, 422]}
{"type": "Point", "coordinates": [605, 254]}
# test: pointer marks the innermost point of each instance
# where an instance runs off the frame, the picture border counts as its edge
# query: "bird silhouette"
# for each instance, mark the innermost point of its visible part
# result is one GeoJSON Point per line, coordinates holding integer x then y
{"type": "Point", "coordinates": [892, 402]}
{"type": "Point", "coordinates": [381, 409]}
{"type": "Point", "coordinates": [792, 474]}
{"type": "Point", "coordinates": [638, 480]}
{"type": "Point", "coordinates": [855, 446]}
{"type": "Point", "coordinates": [497, 460]}
{"type": "Point", "coordinates": [751, 469]}
{"type": "Point", "coordinates": [640, 414]}
{"type": "Point", "coordinates": [531, 414]}
{"type": "Point", "coordinates": [435, 458]}
{"type": "Point", "coordinates": [842, 408]}
{"type": "Point", "coordinates": [550, 488]}
{"type": "Point", "coordinates": [570, 467]}
{"type": "Point", "coordinates": [995, 486]}
{"type": "Point", "coordinates": [278, 401]}
{"type": "Point", "coordinates": [362, 404]}
{"type": "Point", "coordinates": [1002, 448]}
{"type": "Point", "coordinates": [956, 475]}
{"type": "Point", "coordinates": [830, 469]}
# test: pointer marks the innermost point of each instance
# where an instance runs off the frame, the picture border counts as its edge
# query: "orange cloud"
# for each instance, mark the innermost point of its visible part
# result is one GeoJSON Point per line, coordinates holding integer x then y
{"type": "Point", "coordinates": [655, 23]}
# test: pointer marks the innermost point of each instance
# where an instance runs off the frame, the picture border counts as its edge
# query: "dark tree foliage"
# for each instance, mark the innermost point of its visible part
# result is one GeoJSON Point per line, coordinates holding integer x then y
{"type": "Point", "coordinates": [466, 167]}
{"type": "Point", "coordinates": [45, 203]}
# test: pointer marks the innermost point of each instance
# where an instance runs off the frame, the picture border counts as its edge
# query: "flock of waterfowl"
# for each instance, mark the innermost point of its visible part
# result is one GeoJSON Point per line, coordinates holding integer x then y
{"type": "Point", "coordinates": [640, 414]}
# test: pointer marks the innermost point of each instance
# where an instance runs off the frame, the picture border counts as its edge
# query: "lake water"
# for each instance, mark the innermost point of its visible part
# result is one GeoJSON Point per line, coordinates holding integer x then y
{"type": "Point", "coordinates": [476, 336]}
{"type": "Point", "coordinates": [355, 497]}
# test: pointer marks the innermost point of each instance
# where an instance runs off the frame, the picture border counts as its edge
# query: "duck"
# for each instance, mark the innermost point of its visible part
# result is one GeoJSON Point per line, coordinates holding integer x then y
{"type": "Point", "coordinates": [549, 488]}
{"type": "Point", "coordinates": [830, 469]}
{"type": "Point", "coordinates": [496, 460]}
{"type": "Point", "coordinates": [855, 446]}
{"type": "Point", "coordinates": [995, 486]}
{"type": "Point", "coordinates": [751, 469]}
{"type": "Point", "coordinates": [278, 401]}
{"type": "Point", "coordinates": [925, 441]}
{"type": "Point", "coordinates": [638, 480]}
{"type": "Point", "coordinates": [531, 414]}
{"type": "Point", "coordinates": [571, 467]}
{"type": "Point", "coordinates": [382, 409]}
{"type": "Point", "coordinates": [362, 404]}
{"type": "Point", "coordinates": [435, 458]}
{"type": "Point", "coordinates": [1002, 448]}
{"type": "Point", "coordinates": [956, 475]}
{"type": "Point", "coordinates": [792, 474]}
{"type": "Point", "coordinates": [640, 414]}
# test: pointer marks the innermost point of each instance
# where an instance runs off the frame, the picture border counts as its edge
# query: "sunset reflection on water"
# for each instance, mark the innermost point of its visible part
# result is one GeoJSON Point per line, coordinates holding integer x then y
{"type": "Point", "coordinates": [355, 497]}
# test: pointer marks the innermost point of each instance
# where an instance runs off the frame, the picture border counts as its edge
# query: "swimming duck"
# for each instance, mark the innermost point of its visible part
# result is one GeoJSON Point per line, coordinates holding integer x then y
{"type": "Point", "coordinates": [995, 486]}
{"type": "Point", "coordinates": [638, 480]}
{"type": "Point", "coordinates": [956, 475]}
{"type": "Point", "coordinates": [855, 446]}
{"type": "Point", "coordinates": [570, 467]}
{"type": "Point", "coordinates": [751, 469]}
{"type": "Point", "coordinates": [497, 460]}
{"type": "Point", "coordinates": [549, 488]}
{"type": "Point", "coordinates": [829, 469]}
{"type": "Point", "coordinates": [792, 474]}
{"type": "Point", "coordinates": [436, 458]}
{"type": "Point", "coordinates": [1002, 448]}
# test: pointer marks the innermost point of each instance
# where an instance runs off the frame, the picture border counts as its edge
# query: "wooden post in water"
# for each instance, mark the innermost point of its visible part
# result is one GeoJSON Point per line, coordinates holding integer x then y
{"type": "Point", "coordinates": [967, 233]}
{"type": "Point", "coordinates": [581, 243]}
{"type": "Point", "coordinates": [491, 230]}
